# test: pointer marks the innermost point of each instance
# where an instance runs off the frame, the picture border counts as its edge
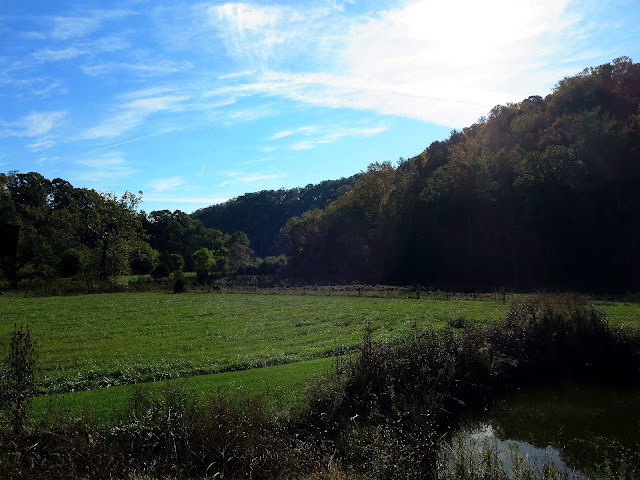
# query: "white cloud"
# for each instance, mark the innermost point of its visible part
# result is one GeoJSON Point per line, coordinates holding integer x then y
{"type": "Point", "coordinates": [245, 114]}
{"type": "Point", "coordinates": [273, 32]}
{"type": "Point", "coordinates": [244, 73]}
{"type": "Point", "coordinates": [31, 86]}
{"type": "Point", "coordinates": [302, 146]}
{"type": "Point", "coordinates": [442, 62]}
{"type": "Point", "coordinates": [52, 55]}
{"type": "Point", "coordinates": [49, 88]}
{"type": "Point", "coordinates": [110, 167]}
{"type": "Point", "coordinates": [249, 30]}
{"type": "Point", "coordinates": [259, 177]}
{"type": "Point", "coordinates": [327, 135]}
{"type": "Point", "coordinates": [239, 177]}
{"type": "Point", "coordinates": [147, 92]}
{"type": "Point", "coordinates": [41, 145]}
{"type": "Point", "coordinates": [286, 133]}
{"type": "Point", "coordinates": [148, 69]}
{"type": "Point", "coordinates": [132, 114]}
{"type": "Point", "coordinates": [73, 26]}
{"type": "Point", "coordinates": [260, 160]}
{"type": "Point", "coordinates": [38, 124]}
{"type": "Point", "coordinates": [101, 45]}
{"type": "Point", "coordinates": [203, 200]}
{"type": "Point", "coordinates": [34, 125]}
{"type": "Point", "coordinates": [163, 184]}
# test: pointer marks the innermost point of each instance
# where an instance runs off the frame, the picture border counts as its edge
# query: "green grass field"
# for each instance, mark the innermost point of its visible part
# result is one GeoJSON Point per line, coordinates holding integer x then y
{"type": "Point", "coordinates": [281, 389]}
{"type": "Point", "coordinates": [99, 340]}
{"type": "Point", "coordinates": [91, 341]}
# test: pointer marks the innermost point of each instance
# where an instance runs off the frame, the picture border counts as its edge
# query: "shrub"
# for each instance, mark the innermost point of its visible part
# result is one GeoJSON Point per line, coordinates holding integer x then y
{"type": "Point", "coordinates": [74, 261]}
{"type": "Point", "coordinates": [161, 271]}
{"type": "Point", "coordinates": [17, 380]}
{"type": "Point", "coordinates": [167, 434]}
{"type": "Point", "coordinates": [179, 285]}
{"type": "Point", "coordinates": [559, 337]}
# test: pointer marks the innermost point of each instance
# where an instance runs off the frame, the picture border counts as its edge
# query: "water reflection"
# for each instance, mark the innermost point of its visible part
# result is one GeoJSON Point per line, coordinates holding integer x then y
{"type": "Point", "coordinates": [574, 426]}
{"type": "Point", "coordinates": [516, 455]}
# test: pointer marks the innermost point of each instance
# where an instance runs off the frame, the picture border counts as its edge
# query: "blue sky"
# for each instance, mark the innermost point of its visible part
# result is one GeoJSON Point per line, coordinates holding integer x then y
{"type": "Point", "coordinates": [198, 102]}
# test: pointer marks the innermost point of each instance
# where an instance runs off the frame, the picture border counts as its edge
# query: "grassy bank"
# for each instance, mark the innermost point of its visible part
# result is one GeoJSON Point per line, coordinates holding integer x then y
{"type": "Point", "coordinates": [281, 389]}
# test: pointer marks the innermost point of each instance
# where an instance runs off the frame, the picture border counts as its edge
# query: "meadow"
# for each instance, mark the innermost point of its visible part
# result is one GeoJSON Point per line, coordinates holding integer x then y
{"type": "Point", "coordinates": [92, 348]}
{"type": "Point", "coordinates": [246, 385]}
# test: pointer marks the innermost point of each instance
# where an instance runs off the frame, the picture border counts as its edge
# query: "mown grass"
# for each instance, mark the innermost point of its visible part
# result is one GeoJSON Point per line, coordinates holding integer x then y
{"type": "Point", "coordinates": [281, 389]}
{"type": "Point", "coordinates": [621, 313]}
{"type": "Point", "coordinates": [92, 341]}
{"type": "Point", "coordinates": [218, 340]}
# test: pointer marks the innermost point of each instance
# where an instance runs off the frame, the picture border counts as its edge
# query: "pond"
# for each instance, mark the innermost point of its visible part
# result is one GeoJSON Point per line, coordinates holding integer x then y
{"type": "Point", "coordinates": [579, 428]}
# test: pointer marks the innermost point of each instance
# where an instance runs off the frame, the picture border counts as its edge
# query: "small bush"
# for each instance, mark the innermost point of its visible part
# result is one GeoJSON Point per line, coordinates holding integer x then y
{"type": "Point", "coordinates": [179, 285]}
{"type": "Point", "coordinates": [17, 379]}
{"type": "Point", "coordinates": [161, 271]}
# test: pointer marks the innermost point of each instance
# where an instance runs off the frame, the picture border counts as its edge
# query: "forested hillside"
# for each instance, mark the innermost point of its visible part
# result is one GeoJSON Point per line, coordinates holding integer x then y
{"type": "Point", "coordinates": [261, 215]}
{"type": "Point", "coordinates": [544, 193]}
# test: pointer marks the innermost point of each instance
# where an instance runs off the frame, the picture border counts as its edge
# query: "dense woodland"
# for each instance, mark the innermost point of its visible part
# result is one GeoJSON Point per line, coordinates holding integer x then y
{"type": "Point", "coordinates": [543, 193]}
{"type": "Point", "coordinates": [261, 215]}
{"type": "Point", "coordinates": [82, 234]}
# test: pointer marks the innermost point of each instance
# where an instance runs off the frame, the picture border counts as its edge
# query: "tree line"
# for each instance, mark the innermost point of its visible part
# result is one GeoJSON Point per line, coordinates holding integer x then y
{"type": "Point", "coordinates": [80, 233]}
{"type": "Point", "coordinates": [543, 193]}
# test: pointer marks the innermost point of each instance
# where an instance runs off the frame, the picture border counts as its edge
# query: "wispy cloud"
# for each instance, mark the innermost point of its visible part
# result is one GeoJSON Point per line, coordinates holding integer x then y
{"type": "Point", "coordinates": [325, 135]}
{"type": "Point", "coordinates": [38, 124]}
{"type": "Point", "coordinates": [287, 133]}
{"type": "Point", "coordinates": [130, 115]}
{"type": "Point", "coordinates": [283, 134]}
{"type": "Point", "coordinates": [41, 145]}
{"type": "Point", "coordinates": [260, 33]}
{"type": "Point", "coordinates": [166, 131]}
{"type": "Point", "coordinates": [259, 177]}
{"type": "Point", "coordinates": [40, 87]}
{"type": "Point", "coordinates": [170, 199]}
{"type": "Point", "coordinates": [260, 160]}
{"type": "Point", "coordinates": [33, 125]}
{"type": "Point", "coordinates": [239, 177]}
{"type": "Point", "coordinates": [444, 62]}
{"type": "Point", "coordinates": [148, 92]}
{"type": "Point", "coordinates": [112, 167]}
{"type": "Point", "coordinates": [164, 184]}
{"type": "Point", "coordinates": [75, 26]}
{"type": "Point", "coordinates": [228, 76]}
{"type": "Point", "coordinates": [144, 69]}
{"type": "Point", "coordinates": [101, 45]}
